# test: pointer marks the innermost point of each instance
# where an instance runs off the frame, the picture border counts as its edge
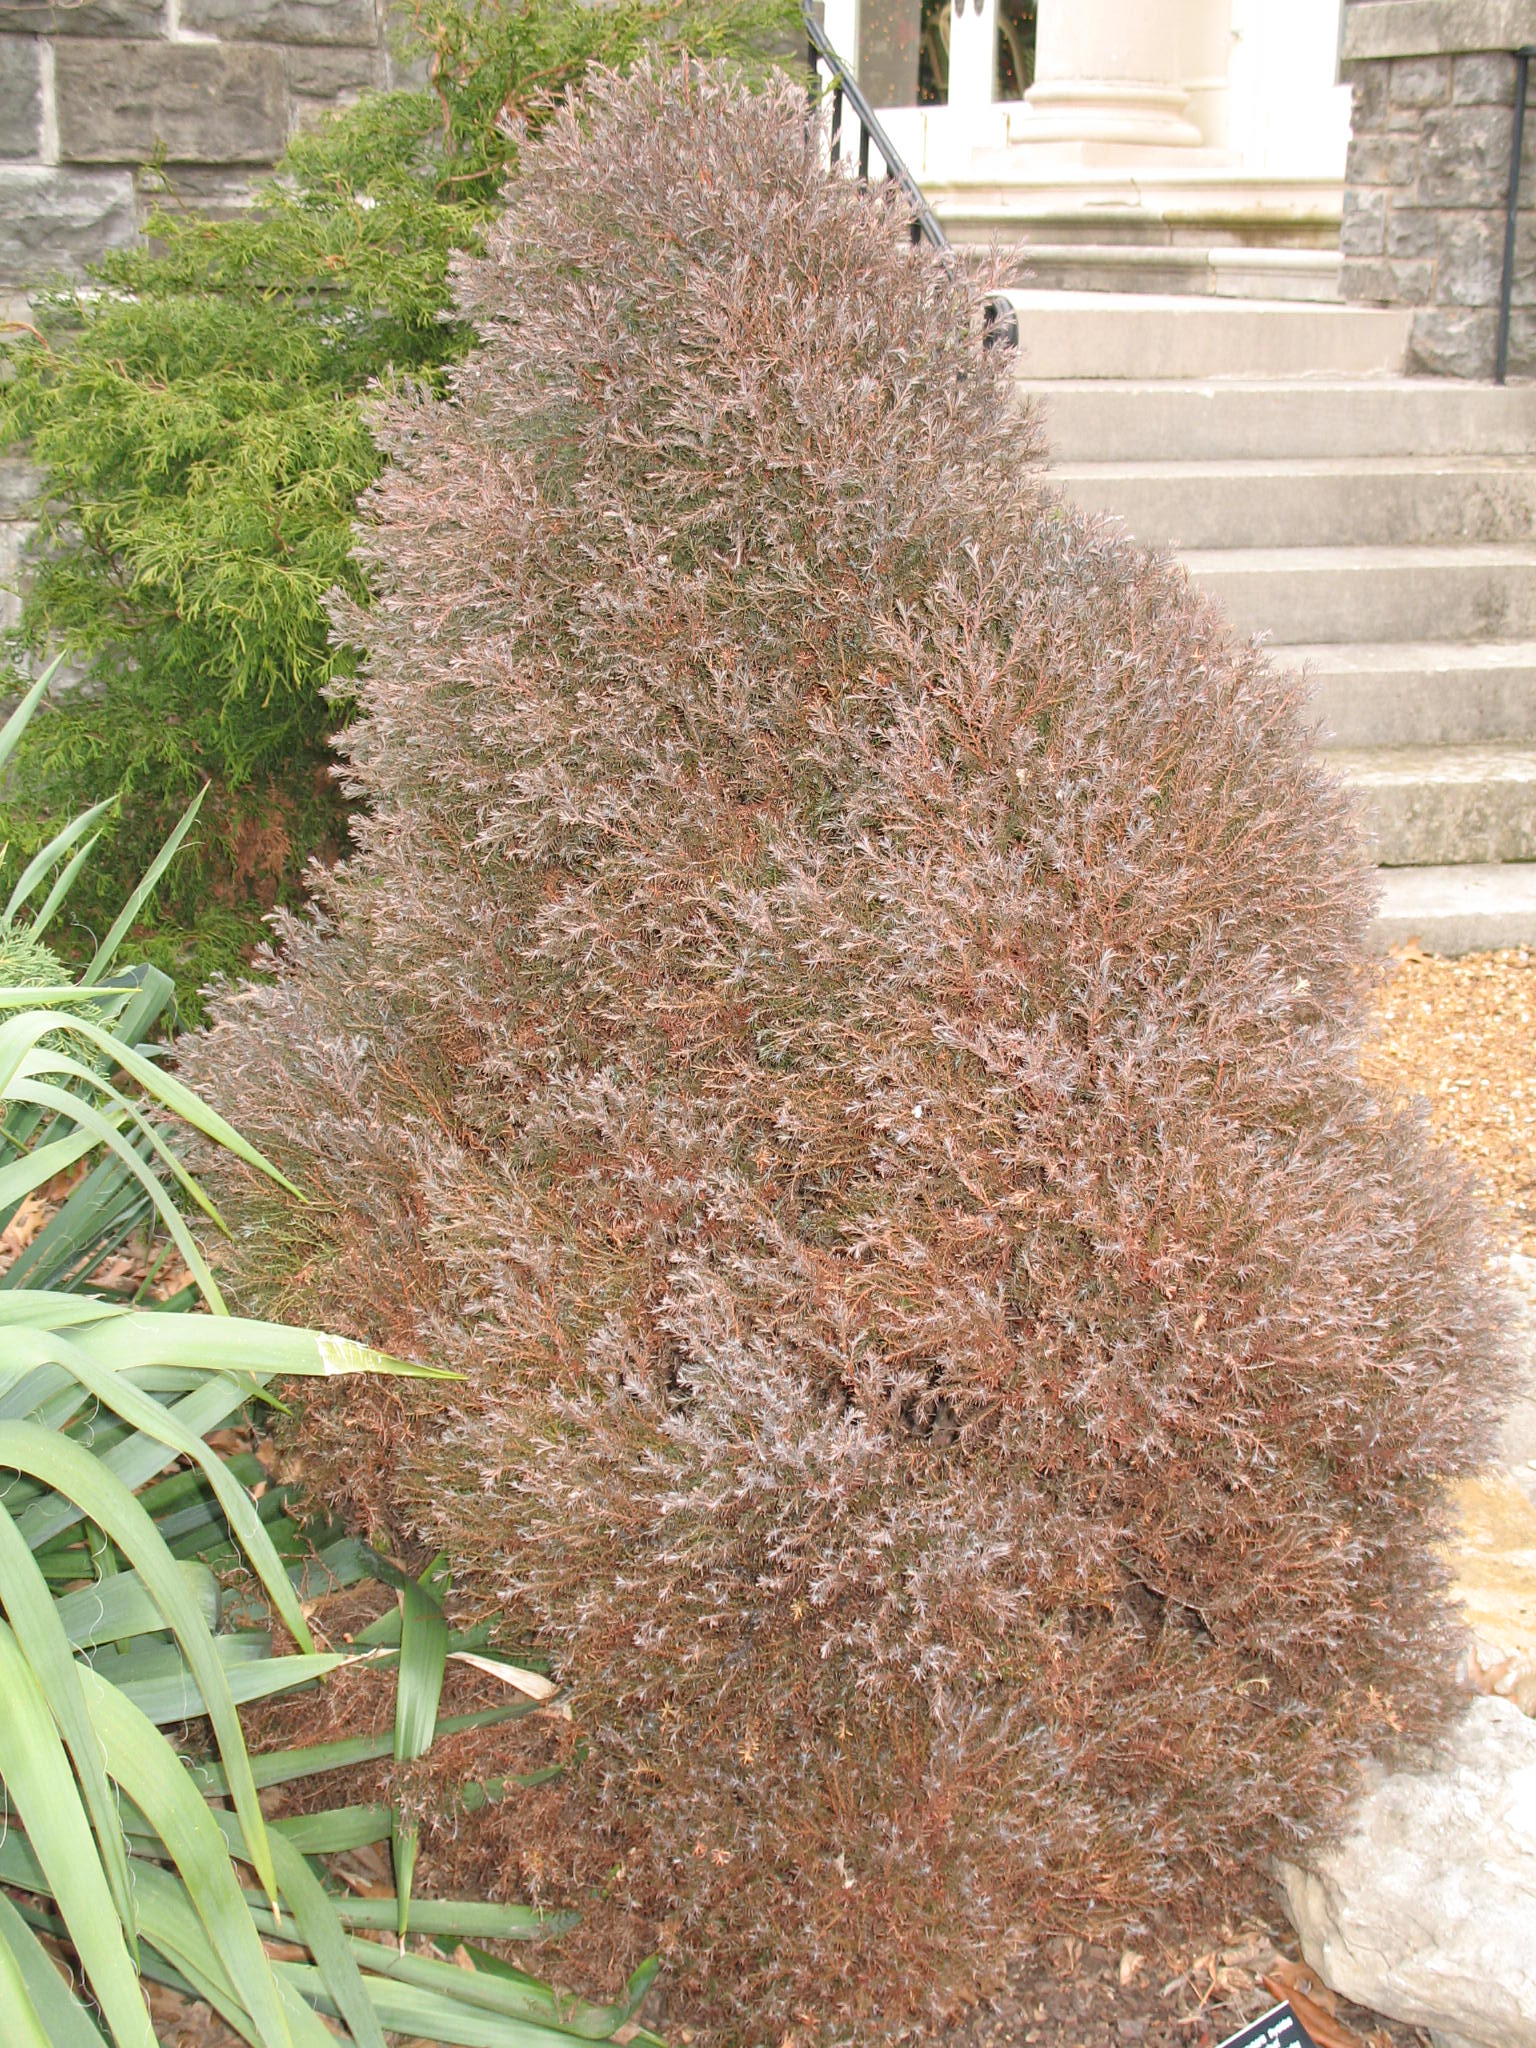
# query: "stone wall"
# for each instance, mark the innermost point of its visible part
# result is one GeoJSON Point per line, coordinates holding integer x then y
{"type": "Point", "coordinates": [92, 90]}
{"type": "Point", "coordinates": [1427, 183]}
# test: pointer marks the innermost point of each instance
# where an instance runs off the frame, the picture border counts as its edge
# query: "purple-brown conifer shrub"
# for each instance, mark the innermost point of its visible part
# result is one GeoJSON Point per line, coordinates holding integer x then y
{"type": "Point", "coordinates": [842, 1025]}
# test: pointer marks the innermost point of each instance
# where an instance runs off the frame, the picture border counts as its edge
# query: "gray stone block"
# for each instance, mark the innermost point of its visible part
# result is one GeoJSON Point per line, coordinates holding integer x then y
{"type": "Point", "coordinates": [1411, 230]}
{"type": "Point", "coordinates": [85, 17]}
{"type": "Point", "coordinates": [13, 540]}
{"type": "Point", "coordinates": [21, 95]}
{"type": "Point", "coordinates": [1401, 28]}
{"type": "Point", "coordinates": [326, 74]}
{"type": "Point", "coordinates": [1470, 260]}
{"type": "Point", "coordinates": [1378, 282]}
{"type": "Point", "coordinates": [1413, 282]}
{"type": "Point", "coordinates": [1464, 157]}
{"type": "Point", "coordinates": [214, 193]}
{"type": "Point", "coordinates": [1485, 78]}
{"type": "Point", "coordinates": [57, 220]}
{"type": "Point", "coordinates": [196, 103]}
{"type": "Point", "coordinates": [285, 21]}
{"type": "Point", "coordinates": [1364, 229]}
{"type": "Point", "coordinates": [1420, 81]}
{"type": "Point", "coordinates": [20, 483]}
{"type": "Point", "coordinates": [1368, 106]}
{"type": "Point", "coordinates": [1367, 281]}
{"type": "Point", "coordinates": [1522, 343]}
{"type": "Point", "coordinates": [1454, 341]}
{"type": "Point", "coordinates": [1382, 159]}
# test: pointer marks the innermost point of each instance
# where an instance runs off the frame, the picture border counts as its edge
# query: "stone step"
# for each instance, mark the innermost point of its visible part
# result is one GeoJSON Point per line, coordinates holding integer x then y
{"type": "Point", "coordinates": [1149, 335]}
{"type": "Point", "coordinates": [1453, 910]}
{"type": "Point", "coordinates": [1407, 693]}
{"type": "Point", "coordinates": [1482, 591]}
{"type": "Point", "coordinates": [1316, 501]}
{"type": "Point", "coordinates": [1115, 268]}
{"type": "Point", "coordinates": [1090, 419]}
{"type": "Point", "coordinates": [1445, 806]}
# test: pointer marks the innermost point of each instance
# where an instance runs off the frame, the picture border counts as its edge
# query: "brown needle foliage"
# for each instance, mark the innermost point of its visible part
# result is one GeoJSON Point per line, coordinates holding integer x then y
{"type": "Point", "coordinates": [843, 1025]}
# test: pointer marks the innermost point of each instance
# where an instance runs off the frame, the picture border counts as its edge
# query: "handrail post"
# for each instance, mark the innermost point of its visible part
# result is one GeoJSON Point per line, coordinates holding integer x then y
{"type": "Point", "coordinates": [846, 92]}
{"type": "Point", "coordinates": [1512, 211]}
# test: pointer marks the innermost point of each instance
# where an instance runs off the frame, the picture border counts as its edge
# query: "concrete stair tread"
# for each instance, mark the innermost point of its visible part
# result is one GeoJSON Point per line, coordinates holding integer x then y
{"type": "Point", "coordinates": [1099, 419]}
{"type": "Point", "coordinates": [1182, 335]}
{"type": "Point", "coordinates": [1462, 590]}
{"type": "Point", "coordinates": [1258, 468]}
{"type": "Point", "coordinates": [1476, 908]}
{"type": "Point", "coordinates": [1381, 767]}
{"type": "Point", "coordinates": [1055, 253]}
{"type": "Point", "coordinates": [1411, 657]}
{"type": "Point", "coordinates": [1376, 532]}
{"type": "Point", "coordinates": [1309, 384]}
{"type": "Point", "coordinates": [1363, 560]}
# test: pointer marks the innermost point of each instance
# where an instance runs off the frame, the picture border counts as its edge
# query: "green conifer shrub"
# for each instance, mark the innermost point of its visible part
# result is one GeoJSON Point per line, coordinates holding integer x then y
{"type": "Point", "coordinates": [197, 418]}
{"type": "Point", "coordinates": [843, 1027]}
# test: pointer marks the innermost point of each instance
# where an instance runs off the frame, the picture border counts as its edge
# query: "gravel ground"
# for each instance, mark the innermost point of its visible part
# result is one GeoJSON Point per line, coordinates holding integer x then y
{"type": "Point", "coordinates": [1462, 1033]}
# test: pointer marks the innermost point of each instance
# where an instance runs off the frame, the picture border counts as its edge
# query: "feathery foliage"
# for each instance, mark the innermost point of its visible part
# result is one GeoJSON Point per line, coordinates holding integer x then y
{"type": "Point", "coordinates": [120, 1522]}
{"type": "Point", "coordinates": [198, 422]}
{"type": "Point", "coordinates": [843, 1028]}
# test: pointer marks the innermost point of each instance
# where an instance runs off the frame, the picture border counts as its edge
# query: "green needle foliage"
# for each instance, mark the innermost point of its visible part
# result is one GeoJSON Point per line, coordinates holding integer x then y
{"type": "Point", "coordinates": [198, 417]}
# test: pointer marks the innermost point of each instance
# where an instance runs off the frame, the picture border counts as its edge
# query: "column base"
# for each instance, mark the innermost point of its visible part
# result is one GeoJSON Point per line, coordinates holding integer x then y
{"type": "Point", "coordinates": [1113, 119]}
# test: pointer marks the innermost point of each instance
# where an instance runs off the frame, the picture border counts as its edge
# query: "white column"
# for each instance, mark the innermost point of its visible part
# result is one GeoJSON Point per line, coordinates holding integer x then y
{"type": "Point", "coordinates": [1107, 81]}
{"type": "Point", "coordinates": [972, 36]}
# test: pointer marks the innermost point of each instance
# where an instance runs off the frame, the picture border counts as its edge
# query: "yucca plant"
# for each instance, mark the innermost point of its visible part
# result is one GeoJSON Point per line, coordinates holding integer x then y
{"type": "Point", "coordinates": [115, 1528]}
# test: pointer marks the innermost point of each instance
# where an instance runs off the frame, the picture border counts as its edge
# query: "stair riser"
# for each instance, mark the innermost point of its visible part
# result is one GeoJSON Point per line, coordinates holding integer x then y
{"type": "Point", "coordinates": [1456, 910]}
{"type": "Point", "coordinates": [1209, 337]}
{"type": "Point", "coordinates": [1279, 511]}
{"type": "Point", "coordinates": [1343, 603]}
{"type": "Point", "coordinates": [1429, 710]}
{"type": "Point", "coordinates": [1211, 422]}
{"type": "Point", "coordinates": [1441, 824]}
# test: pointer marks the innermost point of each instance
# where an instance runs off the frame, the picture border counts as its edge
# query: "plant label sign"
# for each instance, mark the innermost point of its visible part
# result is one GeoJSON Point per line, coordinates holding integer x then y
{"type": "Point", "coordinates": [1278, 2028]}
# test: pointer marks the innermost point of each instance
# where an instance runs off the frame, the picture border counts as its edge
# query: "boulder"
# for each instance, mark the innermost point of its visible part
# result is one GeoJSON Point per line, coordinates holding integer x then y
{"type": "Point", "coordinates": [1426, 1910]}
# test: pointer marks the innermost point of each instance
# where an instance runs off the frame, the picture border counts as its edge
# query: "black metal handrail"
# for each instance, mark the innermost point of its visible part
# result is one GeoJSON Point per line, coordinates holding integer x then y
{"type": "Point", "coordinates": [845, 91]}
{"type": "Point", "coordinates": [1512, 209]}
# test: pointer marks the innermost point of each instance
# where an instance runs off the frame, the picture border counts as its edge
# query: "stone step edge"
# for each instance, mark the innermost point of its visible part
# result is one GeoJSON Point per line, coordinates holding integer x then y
{"type": "Point", "coordinates": [1456, 910]}
{"type": "Point", "coordinates": [1409, 659]}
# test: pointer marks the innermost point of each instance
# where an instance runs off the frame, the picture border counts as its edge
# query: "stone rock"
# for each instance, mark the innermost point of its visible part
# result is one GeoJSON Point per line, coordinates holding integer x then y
{"type": "Point", "coordinates": [20, 483]}
{"type": "Point", "coordinates": [1471, 265]}
{"type": "Point", "coordinates": [1494, 1566]}
{"type": "Point", "coordinates": [1484, 78]}
{"type": "Point", "coordinates": [1382, 159]}
{"type": "Point", "coordinates": [21, 96]}
{"type": "Point", "coordinates": [1420, 81]}
{"type": "Point", "coordinates": [1426, 1910]}
{"type": "Point", "coordinates": [284, 21]}
{"type": "Point", "coordinates": [1517, 1442]}
{"type": "Point", "coordinates": [1364, 229]}
{"type": "Point", "coordinates": [327, 74]}
{"type": "Point", "coordinates": [13, 539]}
{"type": "Point", "coordinates": [1464, 157]}
{"type": "Point", "coordinates": [1368, 105]}
{"type": "Point", "coordinates": [53, 220]}
{"type": "Point", "coordinates": [1454, 341]}
{"type": "Point", "coordinates": [217, 194]}
{"type": "Point", "coordinates": [1412, 231]}
{"type": "Point", "coordinates": [200, 103]}
{"type": "Point", "coordinates": [85, 17]}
